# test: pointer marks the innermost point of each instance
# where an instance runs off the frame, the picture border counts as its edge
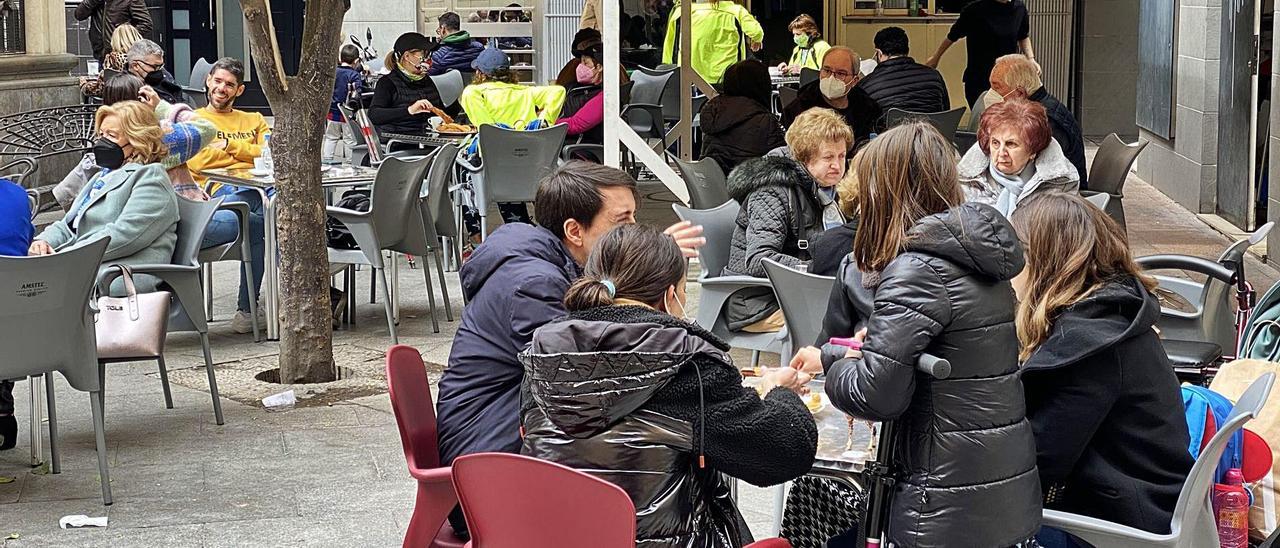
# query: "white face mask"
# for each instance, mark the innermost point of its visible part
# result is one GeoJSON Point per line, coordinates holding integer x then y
{"type": "Point", "coordinates": [684, 312]}
{"type": "Point", "coordinates": [832, 88]}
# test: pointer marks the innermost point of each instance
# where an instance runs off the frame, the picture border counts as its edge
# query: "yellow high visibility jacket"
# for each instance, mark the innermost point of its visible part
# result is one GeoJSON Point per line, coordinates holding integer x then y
{"type": "Point", "coordinates": [512, 104]}
{"type": "Point", "coordinates": [719, 29]}
{"type": "Point", "coordinates": [810, 57]}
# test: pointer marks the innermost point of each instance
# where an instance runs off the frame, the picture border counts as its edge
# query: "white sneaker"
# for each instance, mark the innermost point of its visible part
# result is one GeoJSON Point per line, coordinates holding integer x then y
{"type": "Point", "coordinates": [242, 322]}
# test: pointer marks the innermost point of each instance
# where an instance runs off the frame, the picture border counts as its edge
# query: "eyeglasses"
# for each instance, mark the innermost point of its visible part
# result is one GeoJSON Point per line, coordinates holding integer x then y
{"type": "Point", "coordinates": [151, 66]}
{"type": "Point", "coordinates": [839, 74]}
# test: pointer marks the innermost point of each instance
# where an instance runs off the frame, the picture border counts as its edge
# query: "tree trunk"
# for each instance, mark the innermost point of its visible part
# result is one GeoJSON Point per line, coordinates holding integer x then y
{"type": "Point", "coordinates": [299, 103]}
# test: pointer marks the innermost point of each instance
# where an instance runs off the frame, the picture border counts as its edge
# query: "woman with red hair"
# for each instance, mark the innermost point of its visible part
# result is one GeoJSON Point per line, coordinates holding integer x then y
{"type": "Point", "coordinates": [1015, 157]}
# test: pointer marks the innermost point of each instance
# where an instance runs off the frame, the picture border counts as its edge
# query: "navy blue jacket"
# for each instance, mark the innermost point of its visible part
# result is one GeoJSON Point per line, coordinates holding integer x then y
{"type": "Point", "coordinates": [456, 51]}
{"type": "Point", "coordinates": [514, 283]}
{"type": "Point", "coordinates": [15, 220]}
{"type": "Point", "coordinates": [342, 88]}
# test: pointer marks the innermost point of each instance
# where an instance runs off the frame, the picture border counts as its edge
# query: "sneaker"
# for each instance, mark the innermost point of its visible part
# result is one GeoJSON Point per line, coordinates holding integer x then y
{"type": "Point", "coordinates": [242, 322]}
{"type": "Point", "coordinates": [337, 302]}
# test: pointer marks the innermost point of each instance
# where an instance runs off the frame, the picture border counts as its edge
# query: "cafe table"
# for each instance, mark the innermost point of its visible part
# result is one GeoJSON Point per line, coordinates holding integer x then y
{"type": "Point", "coordinates": [331, 177]}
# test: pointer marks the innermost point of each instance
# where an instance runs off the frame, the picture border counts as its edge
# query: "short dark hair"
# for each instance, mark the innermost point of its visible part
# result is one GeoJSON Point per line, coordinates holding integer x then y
{"type": "Point", "coordinates": [450, 21]}
{"type": "Point", "coordinates": [892, 41]}
{"type": "Point", "coordinates": [348, 54]}
{"type": "Point", "coordinates": [231, 65]}
{"type": "Point", "coordinates": [120, 86]}
{"type": "Point", "coordinates": [573, 192]}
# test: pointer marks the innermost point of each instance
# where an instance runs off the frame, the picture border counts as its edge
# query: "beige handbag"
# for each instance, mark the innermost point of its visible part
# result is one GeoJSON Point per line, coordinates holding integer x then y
{"type": "Point", "coordinates": [132, 326]}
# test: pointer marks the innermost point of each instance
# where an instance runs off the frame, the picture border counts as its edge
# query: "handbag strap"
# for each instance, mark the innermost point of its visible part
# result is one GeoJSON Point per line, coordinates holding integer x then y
{"type": "Point", "coordinates": [131, 291]}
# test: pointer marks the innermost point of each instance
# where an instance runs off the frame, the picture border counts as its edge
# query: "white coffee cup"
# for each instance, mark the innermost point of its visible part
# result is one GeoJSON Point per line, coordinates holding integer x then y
{"type": "Point", "coordinates": [259, 165]}
{"type": "Point", "coordinates": [435, 122]}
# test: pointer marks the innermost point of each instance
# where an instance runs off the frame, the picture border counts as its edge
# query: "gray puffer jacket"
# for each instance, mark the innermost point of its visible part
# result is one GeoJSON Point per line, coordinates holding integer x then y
{"type": "Point", "coordinates": [966, 454]}
{"type": "Point", "coordinates": [781, 212]}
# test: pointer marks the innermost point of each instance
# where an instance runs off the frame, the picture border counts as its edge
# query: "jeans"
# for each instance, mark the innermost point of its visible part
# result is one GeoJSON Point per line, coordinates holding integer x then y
{"type": "Point", "coordinates": [1049, 537]}
{"type": "Point", "coordinates": [225, 228]}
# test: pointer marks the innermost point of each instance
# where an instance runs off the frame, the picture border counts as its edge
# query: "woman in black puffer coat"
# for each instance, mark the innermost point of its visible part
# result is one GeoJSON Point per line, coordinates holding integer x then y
{"type": "Point", "coordinates": [737, 125]}
{"type": "Point", "coordinates": [625, 389]}
{"type": "Point", "coordinates": [939, 272]}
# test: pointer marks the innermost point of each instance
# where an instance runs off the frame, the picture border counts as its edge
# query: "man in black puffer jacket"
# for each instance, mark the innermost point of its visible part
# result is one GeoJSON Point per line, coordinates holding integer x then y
{"type": "Point", "coordinates": [899, 81]}
{"type": "Point", "coordinates": [780, 213]}
{"type": "Point", "coordinates": [966, 453]}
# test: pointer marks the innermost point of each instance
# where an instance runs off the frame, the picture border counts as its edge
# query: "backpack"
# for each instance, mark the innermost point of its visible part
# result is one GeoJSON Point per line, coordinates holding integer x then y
{"type": "Point", "coordinates": [1205, 410]}
{"type": "Point", "coordinates": [1261, 340]}
{"type": "Point", "coordinates": [337, 234]}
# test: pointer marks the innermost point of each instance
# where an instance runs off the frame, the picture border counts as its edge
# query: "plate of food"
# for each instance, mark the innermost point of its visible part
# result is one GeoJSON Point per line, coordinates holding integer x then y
{"type": "Point", "coordinates": [815, 401]}
{"type": "Point", "coordinates": [448, 128]}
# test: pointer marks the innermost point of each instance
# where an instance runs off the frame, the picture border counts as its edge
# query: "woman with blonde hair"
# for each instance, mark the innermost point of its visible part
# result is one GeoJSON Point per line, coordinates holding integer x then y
{"type": "Point", "coordinates": [130, 200]}
{"type": "Point", "coordinates": [1103, 400]}
{"type": "Point", "coordinates": [834, 244]}
{"type": "Point", "coordinates": [810, 47]}
{"type": "Point", "coordinates": [121, 40]}
{"type": "Point", "coordinates": [937, 270]}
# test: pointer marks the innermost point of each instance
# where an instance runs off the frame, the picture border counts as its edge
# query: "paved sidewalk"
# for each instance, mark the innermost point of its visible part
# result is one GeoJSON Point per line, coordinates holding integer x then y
{"type": "Point", "coordinates": [326, 475]}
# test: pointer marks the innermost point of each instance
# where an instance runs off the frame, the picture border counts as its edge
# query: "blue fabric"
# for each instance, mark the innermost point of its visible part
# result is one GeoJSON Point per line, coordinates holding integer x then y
{"type": "Point", "coordinates": [491, 59]}
{"type": "Point", "coordinates": [514, 283]}
{"type": "Point", "coordinates": [225, 227]}
{"type": "Point", "coordinates": [1199, 402]}
{"type": "Point", "coordinates": [342, 89]}
{"type": "Point", "coordinates": [15, 220]}
{"type": "Point", "coordinates": [1049, 537]}
{"type": "Point", "coordinates": [454, 57]}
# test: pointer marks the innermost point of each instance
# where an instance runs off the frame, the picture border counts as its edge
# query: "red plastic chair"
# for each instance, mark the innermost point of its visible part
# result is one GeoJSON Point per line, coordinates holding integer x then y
{"type": "Point", "coordinates": [515, 501]}
{"type": "Point", "coordinates": [416, 416]}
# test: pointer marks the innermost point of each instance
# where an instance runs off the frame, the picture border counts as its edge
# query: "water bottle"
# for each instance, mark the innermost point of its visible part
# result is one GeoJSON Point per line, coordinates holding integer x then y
{"type": "Point", "coordinates": [267, 163]}
{"type": "Point", "coordinates": [1231, 507]}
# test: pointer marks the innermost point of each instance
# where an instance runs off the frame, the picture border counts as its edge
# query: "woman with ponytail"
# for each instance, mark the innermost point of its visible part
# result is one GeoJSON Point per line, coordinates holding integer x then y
{"type": "Point", "coordinates": [1111, 437]}
{"type": "Point", "coordinates": [628, 389]}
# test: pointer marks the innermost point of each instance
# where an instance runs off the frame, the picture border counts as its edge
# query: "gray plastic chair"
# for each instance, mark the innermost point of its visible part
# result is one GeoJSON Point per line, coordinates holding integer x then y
{"type": "Point", "coordinates": [1193, 524]}
{"type": "Point", "coordinates": [195, 90]}
{"type": "Point", "coordinates": [803, 298]}
{"type": "Point", "coordinates": [717, 227]}
{"type": "Point", "coordinates": [705, 181]}
{"type": "Point", "coordinates": [394, 222]}
{"type": "Point", "coordinates": [644, 111]}
{"type": "Point", "coordinates": [786, 96]}
{"type": "Point", "coordinates": [440, 207]}
{"type": "Point", "coordinates": [360, 152]}
{"type": "Point", "coordinates": [1110, 170]}
{"type": "Point", "coordinates": [182, 276]}
{"type": "Point", "coordinates": [977, 108]}
{"type": "Point", "coordinates": [450, 87]}
{"type": "Point", "coordinates": [1099, 201]}
{"type": "Point", "coordinates": [808, 76]}
{"type": "Point", "coordinates": [514, 162]}
{"type": "Point", "coordinates": [946, 122]}
{"type": "Point", "coordinates": [236, 250]}
{"type": "Point", "coordinates": [46, 325]}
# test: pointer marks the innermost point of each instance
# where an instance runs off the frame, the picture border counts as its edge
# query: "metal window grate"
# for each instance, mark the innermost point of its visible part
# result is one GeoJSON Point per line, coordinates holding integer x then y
{"type": "Point", "coordinates": [12, 33]}
{"type": "Point", "coordinates": [1053, 36]}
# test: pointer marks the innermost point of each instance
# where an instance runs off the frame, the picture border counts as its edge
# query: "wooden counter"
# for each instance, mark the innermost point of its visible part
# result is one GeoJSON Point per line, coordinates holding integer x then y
{"type": "Point", "coordinates": [924, 33]}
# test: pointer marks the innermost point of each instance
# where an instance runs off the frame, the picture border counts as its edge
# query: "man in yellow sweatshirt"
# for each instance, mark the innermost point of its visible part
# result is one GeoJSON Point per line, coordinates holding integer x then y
{"type": "Point", "coordinates": [241, 136]}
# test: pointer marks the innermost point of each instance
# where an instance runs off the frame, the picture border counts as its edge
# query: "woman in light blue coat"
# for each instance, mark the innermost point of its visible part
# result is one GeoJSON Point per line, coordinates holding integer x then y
{"type": "Point", "coordinates": [130, 200]}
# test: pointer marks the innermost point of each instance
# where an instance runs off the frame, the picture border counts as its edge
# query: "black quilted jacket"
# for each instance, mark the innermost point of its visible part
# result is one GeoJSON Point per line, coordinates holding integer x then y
{"type": "Point", "coordinates": [903, 83]}
{"type": "Point", "coordinates": [634, 396]}
{"type": "Point", "coordinates": [780, 209]}
{"type": "Point", "coordinates": [966, 455]}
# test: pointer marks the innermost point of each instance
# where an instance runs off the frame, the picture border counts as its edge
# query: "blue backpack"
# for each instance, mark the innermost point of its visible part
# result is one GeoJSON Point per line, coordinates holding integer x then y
{"type": "Point", "coordinates": [1205, 411]}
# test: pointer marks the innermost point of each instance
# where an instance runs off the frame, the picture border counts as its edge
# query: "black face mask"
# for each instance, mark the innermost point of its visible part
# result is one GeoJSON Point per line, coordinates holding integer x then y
{"type": "Point", "coordinates": [106, 153]}
{"type": "Point", "coordinates": [154, 78]}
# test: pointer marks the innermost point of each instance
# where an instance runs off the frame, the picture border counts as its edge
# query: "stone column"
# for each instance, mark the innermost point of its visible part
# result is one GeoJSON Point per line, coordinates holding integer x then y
{"type": "Point", "coordinates": [40, 77]}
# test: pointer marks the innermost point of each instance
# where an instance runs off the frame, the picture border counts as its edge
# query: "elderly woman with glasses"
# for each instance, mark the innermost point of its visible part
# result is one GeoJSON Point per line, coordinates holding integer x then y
{"type": "Point", "coordinates": [1015, 157]}
{"type": "Point", "coordinates": [837, 89]}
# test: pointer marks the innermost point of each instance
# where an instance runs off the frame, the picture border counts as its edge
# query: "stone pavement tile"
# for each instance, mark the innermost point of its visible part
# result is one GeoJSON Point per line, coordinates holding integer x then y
{"type": "Point", "coordinates": [212, 504]}
{"type": "Point", "coordinates": [126, 482]}
{"type": "Point", "coordinates": [247, 418]}
{"type": "Point", "coordinates": [9, 492]}
{"type": "Point", "coordinates": [327, 467]}
{"type": "Point", "coordinates": [178, 536]}
{"type": "Point", "coordinates": [359, 498]}
{"type": "Point", "coordinates": [373, 531]}
{"type": "Point", "coordinates": [336, 439]}
{"type": "Point", "coordinates": [201, 447]}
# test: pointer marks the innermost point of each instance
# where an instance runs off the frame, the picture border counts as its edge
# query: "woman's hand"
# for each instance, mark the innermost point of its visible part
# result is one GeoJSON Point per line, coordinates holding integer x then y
{"type": "Point", "coordinates": [784, 377]}
{"type": "Point", "coordinates": [420, 107]}
{"type": "Point", "coordinates": [808, 360]}
{"type": "Point", "coordinates": [149, 97]}
{"type": "Point", "coordinates": [39, 247]}
{"type": "Point", "coordinates": [688, 236]}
